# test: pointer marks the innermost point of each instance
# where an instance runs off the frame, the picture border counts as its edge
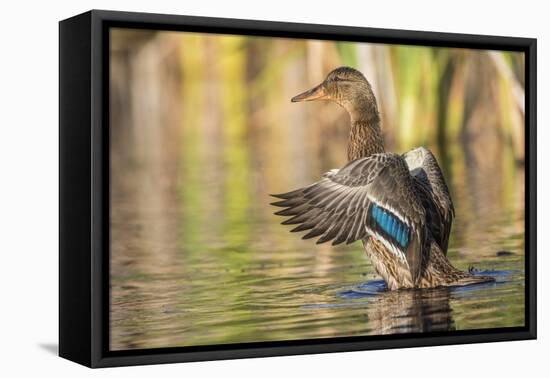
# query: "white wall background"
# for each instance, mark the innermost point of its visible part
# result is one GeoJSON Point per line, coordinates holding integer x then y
{"type": "Point", "coordinates": [29, 186]}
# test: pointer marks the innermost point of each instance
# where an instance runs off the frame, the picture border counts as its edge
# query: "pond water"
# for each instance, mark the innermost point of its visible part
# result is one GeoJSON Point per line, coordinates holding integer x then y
{"type": "Point", "coordinates": [181, 277]}
{"type": "Point", "coordinates": [202, 129]}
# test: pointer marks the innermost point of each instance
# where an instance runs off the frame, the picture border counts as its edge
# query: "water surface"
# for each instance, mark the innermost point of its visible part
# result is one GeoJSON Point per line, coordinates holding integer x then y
{"type": "Point", "coordinates": [202, 130]}
{"type": "Point", "coordinates": [251, 280]}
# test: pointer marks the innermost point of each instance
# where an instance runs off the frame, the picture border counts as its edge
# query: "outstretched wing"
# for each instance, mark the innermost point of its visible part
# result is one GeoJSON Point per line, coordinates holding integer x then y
{"type": "Point", "coordinates": [372, 196]}
{"type": "Point", "coordinates": [433, 193]}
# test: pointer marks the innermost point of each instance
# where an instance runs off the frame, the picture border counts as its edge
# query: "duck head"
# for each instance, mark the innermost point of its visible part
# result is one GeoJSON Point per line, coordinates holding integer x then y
{"type": "Point", "coordinates": [347, 87]}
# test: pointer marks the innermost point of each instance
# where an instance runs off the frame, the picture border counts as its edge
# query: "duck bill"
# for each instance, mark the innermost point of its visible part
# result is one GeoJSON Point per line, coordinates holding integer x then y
{"type": "Point", "coordinates": [317, 93]}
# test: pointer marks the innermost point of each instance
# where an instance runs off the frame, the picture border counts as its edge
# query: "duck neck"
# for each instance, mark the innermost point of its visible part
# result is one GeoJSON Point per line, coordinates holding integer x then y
{"type": "Point", "coordinates": [365, 137]}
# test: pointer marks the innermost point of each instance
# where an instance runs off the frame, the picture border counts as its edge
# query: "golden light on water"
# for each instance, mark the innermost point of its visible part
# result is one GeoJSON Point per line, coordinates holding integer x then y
{"type": "Point", "coordinates": [202, 129]}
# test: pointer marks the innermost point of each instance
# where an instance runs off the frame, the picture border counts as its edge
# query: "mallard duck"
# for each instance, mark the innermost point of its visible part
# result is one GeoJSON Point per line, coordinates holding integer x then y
{"type": "Point", "coordinates": [398, 205]}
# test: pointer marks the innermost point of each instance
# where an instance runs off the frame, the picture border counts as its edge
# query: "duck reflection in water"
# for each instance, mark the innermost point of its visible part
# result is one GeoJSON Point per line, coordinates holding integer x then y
{"type": "Point", "coordinates": [410, 311]}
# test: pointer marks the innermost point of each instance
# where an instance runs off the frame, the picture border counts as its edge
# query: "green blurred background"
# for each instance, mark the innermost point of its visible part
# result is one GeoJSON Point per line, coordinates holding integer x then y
{"type": "Point", "coordinates": [202, 129]}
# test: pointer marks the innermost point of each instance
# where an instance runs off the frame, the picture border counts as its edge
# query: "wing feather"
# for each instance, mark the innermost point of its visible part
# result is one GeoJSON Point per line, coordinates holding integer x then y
{"type": "Point", "coordinates": [433, 192]}
{"type": "Point", "coordinates": [336, 208]}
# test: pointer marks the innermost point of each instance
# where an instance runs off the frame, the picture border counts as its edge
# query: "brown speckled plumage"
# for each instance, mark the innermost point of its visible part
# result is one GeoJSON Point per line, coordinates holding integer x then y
{"type": "Point", "coordinates": [398, 205]}
{"type": "Point", "coordinates": [436, 269]}
{"type": "Point", "coordinates": [364, 140]}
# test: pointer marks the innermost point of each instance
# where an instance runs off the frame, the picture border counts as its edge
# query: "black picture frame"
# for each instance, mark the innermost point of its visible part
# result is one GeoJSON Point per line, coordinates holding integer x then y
{"type": "Point", "coordinates": [84, 187]}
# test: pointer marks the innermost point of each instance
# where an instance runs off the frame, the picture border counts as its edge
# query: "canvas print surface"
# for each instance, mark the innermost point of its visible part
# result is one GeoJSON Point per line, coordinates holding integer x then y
{"type": "Point", "coordinates": [398, 169]}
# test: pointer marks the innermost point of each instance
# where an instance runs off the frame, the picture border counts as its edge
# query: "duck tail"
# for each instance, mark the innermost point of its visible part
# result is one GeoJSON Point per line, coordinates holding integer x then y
{"type": "Point", "coordinates": [469, 279]}
{"type": "Point", "coordinates": [440, 272]}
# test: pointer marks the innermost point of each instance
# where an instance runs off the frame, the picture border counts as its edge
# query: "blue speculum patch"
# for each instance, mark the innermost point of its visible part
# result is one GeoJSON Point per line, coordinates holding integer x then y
{"type": "Point", "coordinates": [390, 225]}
